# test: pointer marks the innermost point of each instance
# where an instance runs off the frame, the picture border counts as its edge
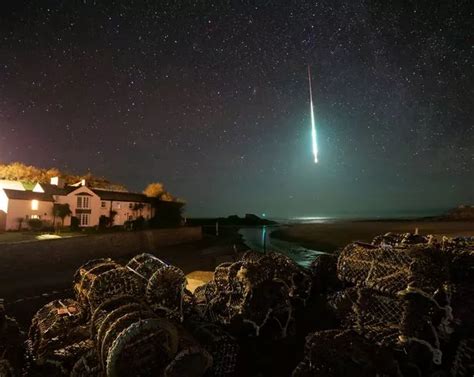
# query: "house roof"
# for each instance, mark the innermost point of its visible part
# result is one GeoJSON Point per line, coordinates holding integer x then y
{"type": "Point", "coordinates": [55, 190]}
{"type": "Point", "coordinates": [119, 196]}
{"type": "Point", "coordinates": [28, 195]}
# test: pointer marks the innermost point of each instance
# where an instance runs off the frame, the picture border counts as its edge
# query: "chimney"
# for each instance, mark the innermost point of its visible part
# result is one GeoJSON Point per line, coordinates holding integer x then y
{"type": "Point", "coordinates": [57, 181]}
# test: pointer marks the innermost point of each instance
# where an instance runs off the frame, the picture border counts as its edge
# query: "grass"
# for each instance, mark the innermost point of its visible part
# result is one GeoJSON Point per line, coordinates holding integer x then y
{"type": "Point", "coordinates": [30, 236]}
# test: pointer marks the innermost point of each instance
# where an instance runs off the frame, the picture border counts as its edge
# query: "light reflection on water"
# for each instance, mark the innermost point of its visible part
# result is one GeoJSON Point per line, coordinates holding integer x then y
{"type": "Point", "coordinates": [258, 239]}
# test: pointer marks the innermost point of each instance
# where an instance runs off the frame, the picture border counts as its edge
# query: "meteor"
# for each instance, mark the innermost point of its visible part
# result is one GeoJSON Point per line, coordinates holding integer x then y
{"type": "Point", "coordinates": [314, 140]}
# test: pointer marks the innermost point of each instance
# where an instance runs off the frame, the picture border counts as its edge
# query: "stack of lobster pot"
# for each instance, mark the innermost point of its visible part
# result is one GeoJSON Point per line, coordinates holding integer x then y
{"type": "Point", "coordinates": [338, 353]}
{"type": "Point", "coordinates": [256, 295]}
{"type": "Point", "coordinates": [113, 329]}
{"type": "Point", "coordinates": [401, 294]}
{"type": "Point", "coordinates": [129, 336]}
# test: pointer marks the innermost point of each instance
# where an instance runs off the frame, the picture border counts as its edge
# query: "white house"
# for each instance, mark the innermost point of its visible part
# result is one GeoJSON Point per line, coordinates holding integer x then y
{"type": "Point", "coordinates": [86, 203]}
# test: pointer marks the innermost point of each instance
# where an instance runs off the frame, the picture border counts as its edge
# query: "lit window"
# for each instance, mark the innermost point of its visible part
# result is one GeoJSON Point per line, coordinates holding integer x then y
{"type": "Point", "coordinates": [118, 205]}
{"type": "Point", "coordinates": [34, 205]}
{"type": "Point", "coordinates": [34, 217]}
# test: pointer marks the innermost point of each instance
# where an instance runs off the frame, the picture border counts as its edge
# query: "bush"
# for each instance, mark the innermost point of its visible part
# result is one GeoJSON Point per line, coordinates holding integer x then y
{"type": "Point", "coordinates": [167, 215]}
{"type": "Point", "coordinates": [35, 224]}
{"type": "Point", "coordinates": [137, 224]}
{"type": "Point", "coordinates": [104, 222]}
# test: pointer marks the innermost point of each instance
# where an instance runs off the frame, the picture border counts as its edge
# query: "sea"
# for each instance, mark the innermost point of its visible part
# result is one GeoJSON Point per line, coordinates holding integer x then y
{"type": "Point", "coordinates": [258, 238]}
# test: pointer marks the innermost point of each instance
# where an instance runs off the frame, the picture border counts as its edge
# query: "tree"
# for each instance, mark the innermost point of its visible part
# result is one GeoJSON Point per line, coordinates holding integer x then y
{"type": "Point", "coordinates": [62, 211]}
{"type": "Point", "coordinates": [157, 190]}
{"type": "Point", "coordinates": [20, 222]}
{"type": "Point", "coordinates": [17, 171]}
{"type": "Point", "coordinates": [137, 207]}
{"type": "Point", "coordinates": [112, 215]}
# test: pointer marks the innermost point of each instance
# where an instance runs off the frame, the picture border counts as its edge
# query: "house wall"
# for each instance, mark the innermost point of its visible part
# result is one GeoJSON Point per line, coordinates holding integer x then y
{"type": "Point", "coordinates": [3, 210]}
{"type": "Point", "coordinates": [71, 199]}
{"type": "Point", "coordinates": [124, 212]}
{"type": "Point", "coordinates": [22, 208]}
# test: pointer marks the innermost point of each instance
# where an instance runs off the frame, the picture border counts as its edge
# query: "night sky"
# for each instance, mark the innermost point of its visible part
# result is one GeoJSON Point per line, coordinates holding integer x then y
{"type": "Point", "coordinates": [211, 98]}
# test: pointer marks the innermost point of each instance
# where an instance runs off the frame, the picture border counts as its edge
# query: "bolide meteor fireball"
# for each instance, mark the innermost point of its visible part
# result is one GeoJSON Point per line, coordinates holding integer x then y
{"type": "Point", "coordinates": [314, 140]}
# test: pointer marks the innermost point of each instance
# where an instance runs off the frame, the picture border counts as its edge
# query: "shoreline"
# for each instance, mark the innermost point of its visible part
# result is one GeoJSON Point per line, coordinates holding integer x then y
{"type": "Point", "coordinates": [330, 236]}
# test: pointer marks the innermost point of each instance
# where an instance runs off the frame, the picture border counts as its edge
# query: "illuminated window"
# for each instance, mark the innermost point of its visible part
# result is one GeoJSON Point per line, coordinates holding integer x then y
{"type": "Point", "coordinates": [34, 217]}
{"type": "Point", "coordinates": [34, 205]}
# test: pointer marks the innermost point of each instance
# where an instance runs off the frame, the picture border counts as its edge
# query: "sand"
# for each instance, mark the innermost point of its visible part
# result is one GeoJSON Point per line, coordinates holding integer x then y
{"type": "Point", "coordinates": [330, 236]}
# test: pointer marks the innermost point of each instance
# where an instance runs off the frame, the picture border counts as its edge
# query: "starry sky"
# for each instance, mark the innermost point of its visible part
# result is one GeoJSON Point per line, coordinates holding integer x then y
{"type": "Point", "coordinates": [211, 98]}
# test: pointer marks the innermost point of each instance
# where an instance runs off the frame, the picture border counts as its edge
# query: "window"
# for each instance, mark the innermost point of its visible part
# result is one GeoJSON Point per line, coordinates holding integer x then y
{"type": "Point", "coordinates": [34, 217]}
{"type": "Point", "coordinates": [102, 204]}
{"type": "Point", "coordinates": [130, 205]}
{"type": "Point", "coordinates": [34, 205]}
{"type": "Point", "coordinates": [83, 219]}
{"type": "Point", "coordinates": [83, 202]}
{"type": "Point", "coordinates": [118, 205]}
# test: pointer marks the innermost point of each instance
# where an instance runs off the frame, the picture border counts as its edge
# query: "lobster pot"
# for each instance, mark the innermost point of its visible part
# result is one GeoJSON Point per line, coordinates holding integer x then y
{"type": "Point", "coordinates": [138, 346]}
{"type": "Point", "coordinates": [56, 325]}
{"type": "Point", "coordinates": [341, 305]}
{"type": "Point", "coordinates": [87, 273]}
{"type": "Point", "coordinates": [323, 272]}
{"type": "Point", "coordinates": [6, 370]}
{"type": "Point", "coordinates": [87, 365]}
{"type": "Point", "coordinates": [130, 338]}
{"type": "Point", "coordinates": [330, 354]}
{"type": "Point", "coordinates": [295, 278]}
{"type": "Point", "coordinates": [164, 285]}
{"type": "Point", "coordinates": [145, 265]}
{"type": "Point", "coordinates": [191, 359]}
{"type": "Point", "coordinates": [411, 319]}
{"type": "Point", "coordinates": [122, 302]}
{"type": "Point", "coordinates": [462, 279]}
{"type": "Point", "coordinates": [113, 283]}
{"type": "Point", "coordinates": [378, 317]}
{"type": "Point", "coordinates": [65, 358]}
{"type": "Point", "coordinates": [11, 343]}
{"type": "Point", "coordinates": [165, 292]}
{"type": "Point", "coordinates": [463, 365]}
{"type": "Point", "coordinates": [400, 239]}
{"type": "Point", "coordinates": [391, 270]}
{"type": "Point", "coordinates": [221, 345]}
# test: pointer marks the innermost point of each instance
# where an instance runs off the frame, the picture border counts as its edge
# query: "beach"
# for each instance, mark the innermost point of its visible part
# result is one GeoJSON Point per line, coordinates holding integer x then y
{"type": "Point", "coordinates": [330, 236]}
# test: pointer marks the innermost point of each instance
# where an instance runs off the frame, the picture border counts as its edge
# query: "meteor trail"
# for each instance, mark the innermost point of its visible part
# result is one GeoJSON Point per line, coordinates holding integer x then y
{"type": "Point", "coordinates": [313, 123]}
